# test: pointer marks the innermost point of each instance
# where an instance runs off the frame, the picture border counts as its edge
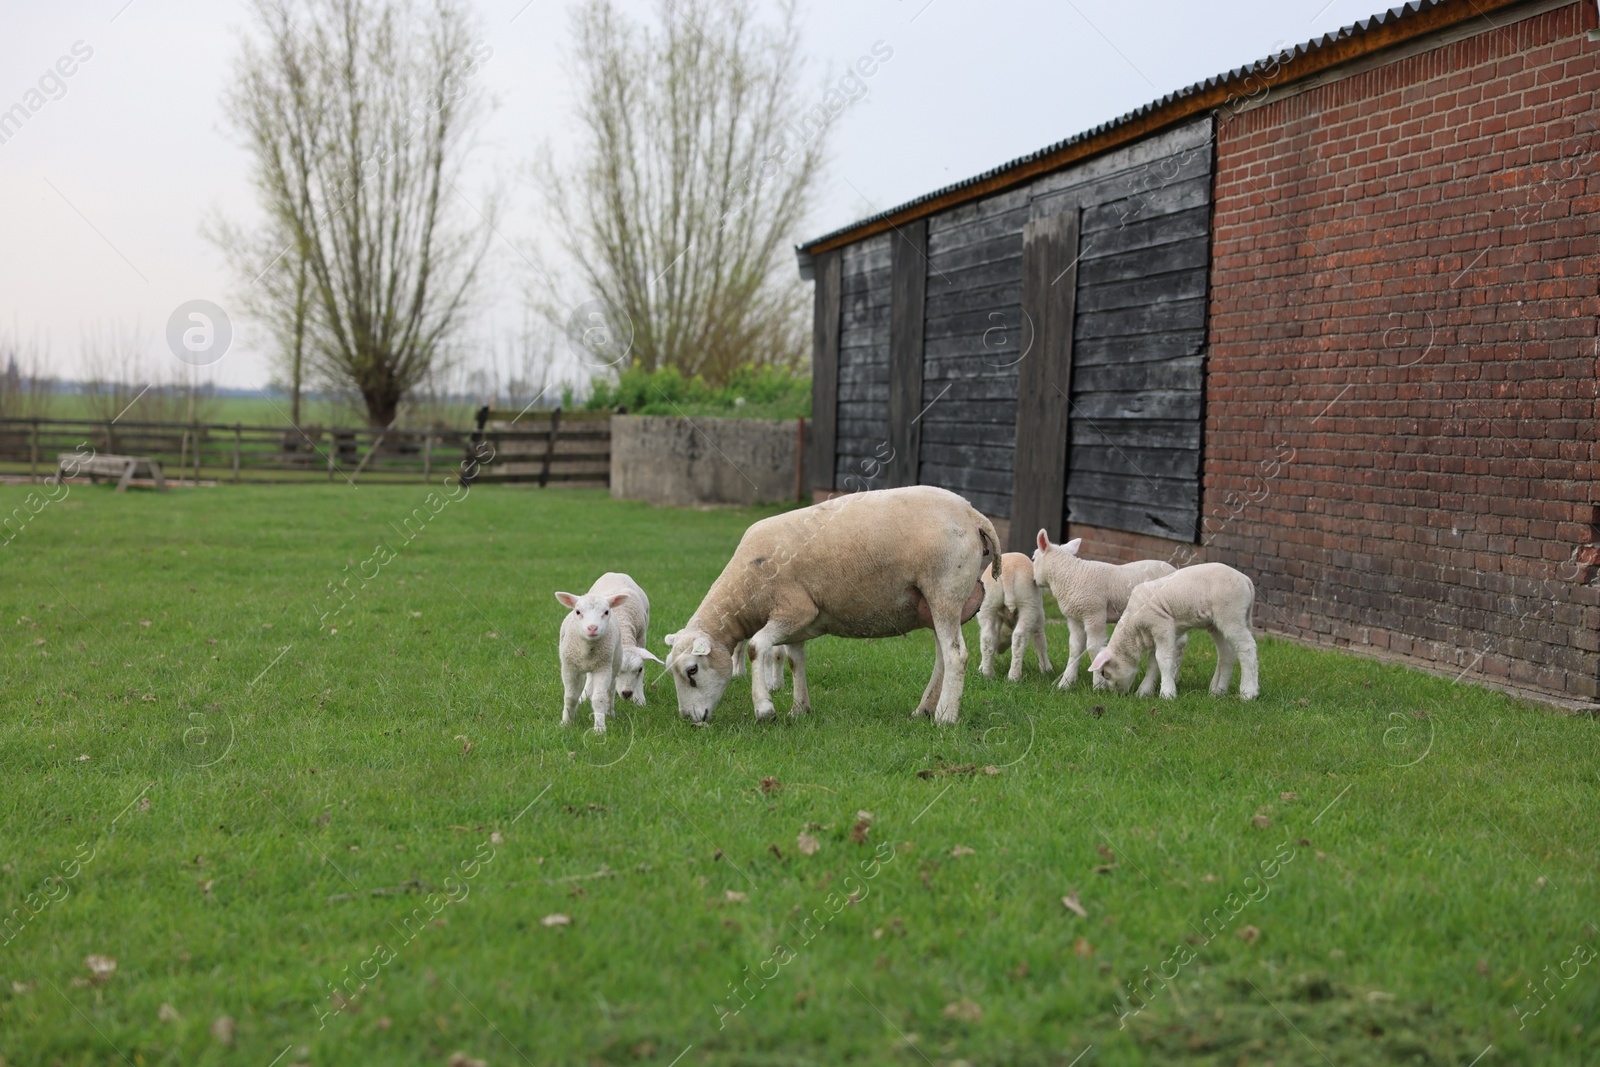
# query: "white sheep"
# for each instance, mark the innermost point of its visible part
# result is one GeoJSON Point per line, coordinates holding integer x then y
{"type": "Point", "coordinates": [1089, 593]}
{"type": "Point", "coordinates": [633, 619]}
{"type": "Point", "coordinates": [1012, 610]}
{"type": "Point", "coordinates": [1207, 596]}
{"type": "Point", "coordinates": [591, 646]}
{"type": "Point", "coordinates": [872, 564]}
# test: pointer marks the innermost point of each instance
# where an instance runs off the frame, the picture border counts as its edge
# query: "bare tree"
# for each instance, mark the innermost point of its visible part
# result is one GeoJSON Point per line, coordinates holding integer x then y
{"type": "Point", "coordinates": [358, 117]}
{"type": "Point", "coordinates": [698, 167]}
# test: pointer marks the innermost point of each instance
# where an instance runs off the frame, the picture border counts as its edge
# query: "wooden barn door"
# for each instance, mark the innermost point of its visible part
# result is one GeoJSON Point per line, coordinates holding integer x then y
{"type": "Point", "coordinates": [908, 284]}
{"type": "Point", "coordinates": [1044, 384]}
{"type": "Point", "coordinates": [825, 371]}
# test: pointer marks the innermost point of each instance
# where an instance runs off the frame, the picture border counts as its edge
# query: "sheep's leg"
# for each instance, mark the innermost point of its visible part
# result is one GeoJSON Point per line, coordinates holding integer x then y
{"type": "Point", "coordinates": [1226, 658]}
{"type": "Point", "coordinates": [947, 627]}
{"type": "Point", "coordinates": [1094, 639]}
{"type": "Point", "coordinates": [573, 685]}
{"type": "Point", "coordinates": [761, 670]}
{"type": "Point", "coordinates": [1244, 646]}
{"type": "Point", "coordinates": [802, 694]}
{"type": "Point", "coordinates": [1075, 641]}
{"type": "Point", "coordinates": [1041, 645]}
{"type": "Point", "coordinates": [738, 659]}
{"type": "Point", "coordinates": [1019, 646]}
{"type": "Point", "coordinates": [988, 637]}
{"type": "Point", "coordinates": [1167, 658]}
{"type": "Point", "coordinates": [930, 695]}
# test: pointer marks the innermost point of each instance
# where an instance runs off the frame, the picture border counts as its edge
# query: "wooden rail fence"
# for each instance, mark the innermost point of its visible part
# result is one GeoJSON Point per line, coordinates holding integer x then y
{"type": "Point", "coordinates": [545, 447]}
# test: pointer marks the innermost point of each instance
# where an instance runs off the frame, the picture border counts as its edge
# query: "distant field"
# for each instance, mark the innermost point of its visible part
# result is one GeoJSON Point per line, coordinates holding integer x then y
{"type": "Point", "coordinates": [241, 825]}
{"type": "Point", "coordinates": [251, 411]}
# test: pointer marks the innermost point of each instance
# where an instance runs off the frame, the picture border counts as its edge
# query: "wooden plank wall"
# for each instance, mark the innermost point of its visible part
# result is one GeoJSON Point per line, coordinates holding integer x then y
{"type": "Point", "coordinates": [864, 298]}
{"type": "Point", "coordinates": [973, 339]}
{"type": "Point", "coordinates": [908, 288]}
{"type": "Point", "coordinates": [825, 370]}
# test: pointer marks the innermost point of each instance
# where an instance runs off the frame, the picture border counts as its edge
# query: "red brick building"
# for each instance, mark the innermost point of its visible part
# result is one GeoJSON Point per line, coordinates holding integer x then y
{"type": "Point", "coordinates": [1330, 319]}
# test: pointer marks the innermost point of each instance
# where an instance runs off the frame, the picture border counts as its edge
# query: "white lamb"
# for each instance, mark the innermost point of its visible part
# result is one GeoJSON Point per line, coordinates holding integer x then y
{"type": "Point", "coordinates": [633, 619]}
{"type": "Point", "coordinates": [1088, 592]}
{"type": "Point", "coordinates": [1012, 610]}
{"type": "Point", "coordinates": [591, 652]}
{"type": "Point", "coordinates": [1208, 596]}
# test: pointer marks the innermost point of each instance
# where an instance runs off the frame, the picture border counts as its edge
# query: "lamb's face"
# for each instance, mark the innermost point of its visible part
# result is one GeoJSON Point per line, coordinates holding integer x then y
{"type": "Point", "coordinates": [1047, 555]}
{"type": "Point", "coordinates": [591, 614]}
{"type": "Point", "coordinates": [630, 673]}
{"type": "Point", "coordinates": [1117, 671]}
{"type": "Point", "coordinates": [700, 669]}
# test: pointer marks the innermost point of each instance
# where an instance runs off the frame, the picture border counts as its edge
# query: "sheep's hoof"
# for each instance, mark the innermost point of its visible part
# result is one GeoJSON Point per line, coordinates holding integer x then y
{"type": "Point", "coordinates": [946, 720]}
{"type": "Point", "coordinates": [766, 713]}
{"type": "Point", "coordinates": [1251, 695]}
{"type": "Point", "coordinates": [922, 713]}
{"type": "Point", "coordinates": [799, 710]}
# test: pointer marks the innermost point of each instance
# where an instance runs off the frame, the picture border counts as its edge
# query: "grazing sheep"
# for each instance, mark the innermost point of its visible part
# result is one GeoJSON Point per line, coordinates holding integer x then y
{"type": "Point", "coordinates": [870, 564]}
{"type": "Point", "coordinates": [772, 662]}
{"type": "Point", "coordinates": [591, 650]}
{"type": "Point", "coordinates": [1208, 596]}
{"type": "Point", "coordinates": [1012, 610]}
{"type": "Point", "coordinates": [1088, 593]}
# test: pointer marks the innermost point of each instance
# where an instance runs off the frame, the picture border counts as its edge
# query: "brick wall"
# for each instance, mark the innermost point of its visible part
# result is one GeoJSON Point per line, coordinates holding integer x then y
{"type": "Point", "coordinates": [1400, 413]}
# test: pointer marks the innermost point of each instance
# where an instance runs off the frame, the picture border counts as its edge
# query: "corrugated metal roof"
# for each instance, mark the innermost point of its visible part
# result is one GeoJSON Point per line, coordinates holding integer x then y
{"type": "Point", "coordinates": [1356, 29]}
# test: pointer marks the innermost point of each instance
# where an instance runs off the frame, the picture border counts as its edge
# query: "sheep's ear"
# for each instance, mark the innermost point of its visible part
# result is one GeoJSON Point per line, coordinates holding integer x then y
{"type": "Point", "coordinates": [1072, 545]}
{"type": "Point", "coordinates": [669, 639]}
{"type": "Point", "coordinates": [1100, 659]}
{"type": "Point", "coordinates": [1044, 540]}
{"type": "Point", "coordinates": [567, 599]}
{"type": "Point", "coordinates": [618, 598]}
{"type": "Point", "coordinates": [645, 653]}
{"type": "Point", "coordinates": [702, 647]}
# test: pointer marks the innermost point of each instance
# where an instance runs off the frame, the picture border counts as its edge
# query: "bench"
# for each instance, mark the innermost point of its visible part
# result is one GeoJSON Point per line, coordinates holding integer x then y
{"type": "Point", "coordinates": [123, 468]}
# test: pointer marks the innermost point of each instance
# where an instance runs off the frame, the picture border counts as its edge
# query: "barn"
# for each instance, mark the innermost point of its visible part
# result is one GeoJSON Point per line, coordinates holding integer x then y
{"type": "Point", "coordinates": [1329, 318]}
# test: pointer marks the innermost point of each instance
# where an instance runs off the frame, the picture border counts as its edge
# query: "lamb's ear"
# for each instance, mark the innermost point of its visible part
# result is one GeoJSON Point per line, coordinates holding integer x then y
{"type": "Point", "coordinates": [567, 599]}
{"type": "Point", "coordinates": [645, 653]}
{"type": "Point", "coordinates": [618, 598]}
{"type": "Point", "coordinates": [669, 639]}
{"type": "Point", "coordinates": [1100, 659]}
{"type": "Point", "coordinates": [1072, 545]}
{"type": "Point", "coordinates": [1044, 540]}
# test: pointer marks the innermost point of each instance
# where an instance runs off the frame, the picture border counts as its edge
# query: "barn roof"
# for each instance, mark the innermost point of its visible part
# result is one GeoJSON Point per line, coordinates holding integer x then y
{"type": "Point", "coordinates": [1386, 29]}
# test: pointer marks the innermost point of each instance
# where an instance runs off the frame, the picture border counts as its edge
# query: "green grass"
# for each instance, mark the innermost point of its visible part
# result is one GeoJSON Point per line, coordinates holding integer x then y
{"type": "Point", "coordinates": [1443, 838]}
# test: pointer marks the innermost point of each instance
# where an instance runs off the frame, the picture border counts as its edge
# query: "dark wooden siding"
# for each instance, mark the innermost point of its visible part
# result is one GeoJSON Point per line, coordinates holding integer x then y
{"type": "Point", "coordinates": [864, 296]}
{"type": "Point", "coordinates": [974, 336]}
{"type": "Point", "coordinates": [824, 371]}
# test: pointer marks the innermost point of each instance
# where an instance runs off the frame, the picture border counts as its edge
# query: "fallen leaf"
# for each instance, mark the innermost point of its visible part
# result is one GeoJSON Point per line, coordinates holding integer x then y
{"type": "Point", "coordinates": [461, 1059]}
{"type": "Point", "coordinates": [858, 832]}
{"type": "Point", "coordinates": [1260, 822]}
{"type": "Point", "coordinates": [807, 845]}
{"type": "Point", "coordinates": [1105, 853]}
{"type": "Point", "coordinates": [1288, 796]}
{"type": "Point", "coordinates": [770, 785]}
{"type": "Point", "coordinates": [205, 886]}
{"type": "Point", "coordinates": [1105, 868]}
{"type": "Point", "coordinates": [82, 759]}
{"type": "Point", "coordinates": [1208, 878]}
{"type": "Point", "coordinates": [1483, 966]}
{"type": "Point", "coordinates": [1303, 702]}
{"type": "Point", "coordinates": [21, 987]}
{"type": "Point", "coordinates": [495, 838]}
{"type": "Point", "coordinates": [1248, 934]}
{"type": "Point", "coordinates": [100, 966]}
{"type": "Point", "coordinates": [168, 1014]}
{"type": "Point", "coordinates": [736, 897]}
{"type": "Point", "coordinates": [991, 769]}
{"type": "Point", "coordinates": [1083, 948]}
{"type": "Point", "coordinates": [776, 851]}
{"type": "Point", "coordinates": [222, 1030]}
{"type": "Point", "coordinates": [1020, 971]}
{"type": "Point", "coordinates": [556, 919]}
{"type": "Point", "coordinates": [1098, 710]}
{"type": "Point", "coordinates": [962, 850]}
{"type": "Point", "coordinates": [144, 622]}
{"type": "Point", "coordinates": [965, 1010]}
{"type": "Point", "coordinates": [1070, 902]}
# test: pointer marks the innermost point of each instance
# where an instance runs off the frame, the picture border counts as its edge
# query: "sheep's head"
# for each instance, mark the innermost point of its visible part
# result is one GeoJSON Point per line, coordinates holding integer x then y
{"type": "Point", "coordinates": [700, 668]}
{"type": "Point", "coordinates": [1115, 669]}
{"type": "Point", "coordinates": [1047, 553]}
{"type": "Point", "coordinates": [592, 614]}
{"type": "Point", "coordinates": [630, 672]}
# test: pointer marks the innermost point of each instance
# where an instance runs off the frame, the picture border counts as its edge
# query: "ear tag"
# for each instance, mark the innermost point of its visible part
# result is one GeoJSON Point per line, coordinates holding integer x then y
{"type": "Point", "coordinates": [702, 647]}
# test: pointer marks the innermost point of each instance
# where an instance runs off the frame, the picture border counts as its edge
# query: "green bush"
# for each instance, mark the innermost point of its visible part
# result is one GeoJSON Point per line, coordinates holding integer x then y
{"type": "Point", "coordinates": [752, 392]}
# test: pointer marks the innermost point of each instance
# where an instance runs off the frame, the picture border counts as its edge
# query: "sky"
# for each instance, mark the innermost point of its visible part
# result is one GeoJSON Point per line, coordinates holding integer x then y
{"type": "Point", "coordinates": [106, 187]}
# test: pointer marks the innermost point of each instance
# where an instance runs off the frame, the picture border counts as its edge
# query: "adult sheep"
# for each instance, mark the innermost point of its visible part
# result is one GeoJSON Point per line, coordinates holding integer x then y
{"type": "Point", "coordinates": [871, 564]}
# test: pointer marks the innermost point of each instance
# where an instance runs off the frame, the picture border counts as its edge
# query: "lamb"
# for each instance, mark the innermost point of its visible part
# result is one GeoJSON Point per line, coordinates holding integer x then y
{"type": "Point", "coordinates": [870, 564]}
{"type": "Point", "coordinates": [1088, 593]}
{"type": "Point", "coordinates": [591, 650]}
{"type": "Point", "coordinates": [633, 620]}
{"type": "Point", "coordinates": [1209, 596]}
{"type": "Point", "coordinates": [1012, 609]}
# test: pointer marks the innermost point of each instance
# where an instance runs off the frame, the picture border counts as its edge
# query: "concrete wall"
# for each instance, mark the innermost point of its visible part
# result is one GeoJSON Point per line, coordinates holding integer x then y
{"type": "Point", "coordinates": [686, 462]}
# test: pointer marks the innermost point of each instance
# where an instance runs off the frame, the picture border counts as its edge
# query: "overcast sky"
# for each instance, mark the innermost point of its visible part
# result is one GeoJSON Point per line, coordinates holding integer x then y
{"type": "Point", "coordinates": [105, 187]}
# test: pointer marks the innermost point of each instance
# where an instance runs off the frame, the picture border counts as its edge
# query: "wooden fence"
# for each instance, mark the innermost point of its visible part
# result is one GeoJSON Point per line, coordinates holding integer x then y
{"type": "Point", "coordinates": [546, 447]}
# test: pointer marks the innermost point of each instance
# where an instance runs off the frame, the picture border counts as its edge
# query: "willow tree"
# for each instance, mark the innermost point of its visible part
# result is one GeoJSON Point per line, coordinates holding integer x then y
{"type": "Point", "coordinates": [693, 175]}
{"type": "Point", "coordinates": [357, 117]}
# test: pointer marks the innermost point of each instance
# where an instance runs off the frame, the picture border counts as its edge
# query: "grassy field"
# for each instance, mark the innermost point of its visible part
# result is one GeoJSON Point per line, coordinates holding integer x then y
{"type": "Point", "coordinates": [247, 810]}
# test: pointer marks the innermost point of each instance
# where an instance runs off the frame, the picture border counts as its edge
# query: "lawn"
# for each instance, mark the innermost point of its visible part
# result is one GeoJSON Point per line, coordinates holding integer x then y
{"type": "Point", "coordinates": [247, 810]}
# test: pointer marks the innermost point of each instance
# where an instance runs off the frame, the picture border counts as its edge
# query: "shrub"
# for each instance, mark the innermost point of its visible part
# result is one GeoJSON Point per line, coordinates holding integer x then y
{"type": "Point", "coordinates": [752, 392]}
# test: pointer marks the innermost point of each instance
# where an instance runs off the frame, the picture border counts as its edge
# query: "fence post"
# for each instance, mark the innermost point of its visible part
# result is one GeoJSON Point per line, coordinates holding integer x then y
{"type": "Point", "coordinates": [111, 441]}
{"type": "Point", "coordinates": [333, 443]}
{"type": "Point", "coordinates": [238, 433]}
{"type": "Point", "coordinates": [183, 458]}
{"type": "Point", "coordinates": [550, 448]}
{"type": "Point", "coordinates": [427, 456]}
{"type": "Point", "coordinates": [33, 454]}
{"type": "Point", "coordinates": [197, 455]}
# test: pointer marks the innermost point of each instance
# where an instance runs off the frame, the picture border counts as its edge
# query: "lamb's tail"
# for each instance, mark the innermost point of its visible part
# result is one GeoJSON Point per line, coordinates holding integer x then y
{"type": "Point", "coordinates": [989, 540]}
